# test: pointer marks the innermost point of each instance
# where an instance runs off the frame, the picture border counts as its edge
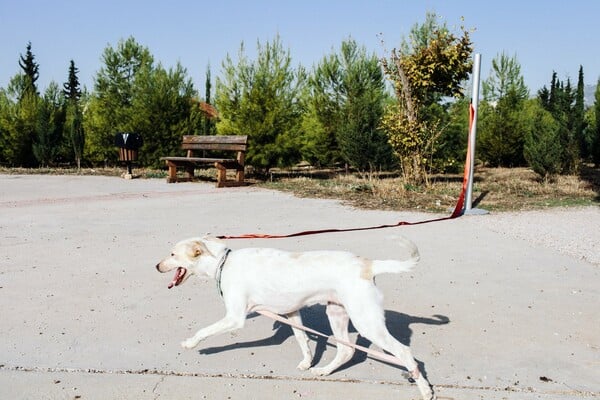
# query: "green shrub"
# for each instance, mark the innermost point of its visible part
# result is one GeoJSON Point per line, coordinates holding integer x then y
{"type": "Point", "coordinates": [542, 148]}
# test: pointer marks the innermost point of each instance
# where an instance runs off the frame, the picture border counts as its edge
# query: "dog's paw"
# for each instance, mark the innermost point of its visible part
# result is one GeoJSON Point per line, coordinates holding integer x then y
{"type": "Point", "coordinates": [189, 343]}
{"type": "Point", "coordinates": [304, 365]}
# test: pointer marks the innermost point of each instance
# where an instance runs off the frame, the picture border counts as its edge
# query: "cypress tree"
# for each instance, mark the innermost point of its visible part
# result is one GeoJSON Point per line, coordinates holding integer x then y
{"type": "Point", "coordinates": [578, 116]}
{"type": "Point", "coordinates": [552, 96]}
{"type": "Point", "coordinates": [209, 125]}
{"type": "Point", "coordinates": [568, 136]}
{"type": "Point", "coordinates": [560, 103]}
{"type": "Point", "coordinates": [596, 133]}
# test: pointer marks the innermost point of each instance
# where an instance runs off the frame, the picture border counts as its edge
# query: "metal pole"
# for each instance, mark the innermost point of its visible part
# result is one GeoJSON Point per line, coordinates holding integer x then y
{"type": "Point", "coordinates": [473, 131]}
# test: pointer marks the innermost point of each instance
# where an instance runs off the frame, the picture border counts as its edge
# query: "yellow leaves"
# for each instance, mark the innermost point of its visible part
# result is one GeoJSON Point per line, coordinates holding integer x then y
{"type": "Point", "coordinates": [404, 136]}
{"type": "Point", "coordinates": [440, 67]}
{"type": "Point", "coordinates": [421, 74]}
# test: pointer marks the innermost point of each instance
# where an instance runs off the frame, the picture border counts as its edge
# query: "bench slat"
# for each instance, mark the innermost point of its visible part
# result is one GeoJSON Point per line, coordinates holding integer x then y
{"type": "Point", "coordinates": [213, 146]}
{"type": "Point", "coordinates": [238, 139]}
{"type": "Point", "coordinates": [216, 142]}
{"type": "Point", "coordinates": [198, 159]}
{"type": "Point", "coordinates": [198, 162]}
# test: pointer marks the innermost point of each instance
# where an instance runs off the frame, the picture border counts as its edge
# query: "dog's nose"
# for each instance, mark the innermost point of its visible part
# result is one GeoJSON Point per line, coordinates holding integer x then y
{"type": "Point", "coordinates": [158, 267]}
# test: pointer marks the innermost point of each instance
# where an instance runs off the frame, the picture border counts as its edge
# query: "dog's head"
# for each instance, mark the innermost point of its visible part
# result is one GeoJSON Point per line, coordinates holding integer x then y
{"type": "Point", "coordinates": [187, 258]}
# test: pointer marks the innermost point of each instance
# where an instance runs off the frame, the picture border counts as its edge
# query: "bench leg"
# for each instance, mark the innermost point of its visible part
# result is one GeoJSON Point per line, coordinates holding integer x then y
{"type": "Point", "coordinates": [221, 175]}
{"type": "Point", "coordinates": [239, 176]}
{"type": "Point", "coordinates": [172, 176]}
{"type": "Point", "coordinates": [241, 158]}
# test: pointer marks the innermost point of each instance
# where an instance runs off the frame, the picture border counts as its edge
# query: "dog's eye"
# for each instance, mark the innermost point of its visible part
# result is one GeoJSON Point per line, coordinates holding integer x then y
{"type": "Point", "coordinates": [172, 254]}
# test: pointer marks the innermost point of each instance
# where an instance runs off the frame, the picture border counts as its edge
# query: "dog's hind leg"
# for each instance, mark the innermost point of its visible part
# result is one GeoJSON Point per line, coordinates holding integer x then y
{"type": "Point", "coordinates": [302, 340]}
{"type": "Point", "coordinates": [368, 318]}
{"type": "Point", "coordinates": [339, 321]}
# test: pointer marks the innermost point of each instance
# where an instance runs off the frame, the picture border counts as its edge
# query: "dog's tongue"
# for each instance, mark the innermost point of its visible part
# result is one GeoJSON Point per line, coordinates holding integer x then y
{"type": "Point", "coordinates": [177, 278]}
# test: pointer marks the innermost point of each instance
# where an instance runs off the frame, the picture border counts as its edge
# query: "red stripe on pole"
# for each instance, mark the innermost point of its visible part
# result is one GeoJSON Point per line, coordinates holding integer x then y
{"type": "Point", "coordinates": [460, 204]}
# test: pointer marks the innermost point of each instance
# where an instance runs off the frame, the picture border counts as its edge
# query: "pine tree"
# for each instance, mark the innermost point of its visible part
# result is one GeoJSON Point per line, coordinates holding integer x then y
{"type": "Point", "coordinates": [49, 126]}
{"type": "Point", "coordinates": [24, 129]}
{"type": "Point", "coordinates": [110, 106]}
{"type": "Point", "coordinates": [501, 133]}
{"type": "Point", "coordinates": [504, 79]}
{"type": "Point", "coordinates": [134, 95]}
{"type": "Point", "coordinates": [161, 111]}
{"type": "Point", "coordinates": [261, 99]}
{"type": "Point", "coordinates": [542, 148]}
{"type": "Point", "coordinates": [71, 88]}
{"type": "Point", "coordinates": [347, 99]}
{"type": "Point", "coordinates": [31, 70]}
{"type": "Point", "coordinates": [74, 123]}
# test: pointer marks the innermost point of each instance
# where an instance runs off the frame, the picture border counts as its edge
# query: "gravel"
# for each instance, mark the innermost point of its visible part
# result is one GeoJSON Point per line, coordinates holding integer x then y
{"type": "Point", "coordinates": [571, 231]}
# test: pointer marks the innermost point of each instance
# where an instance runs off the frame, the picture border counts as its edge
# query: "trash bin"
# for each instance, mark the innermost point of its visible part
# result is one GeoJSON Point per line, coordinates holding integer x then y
{"type": "Point", "coordinates": [129, 145]}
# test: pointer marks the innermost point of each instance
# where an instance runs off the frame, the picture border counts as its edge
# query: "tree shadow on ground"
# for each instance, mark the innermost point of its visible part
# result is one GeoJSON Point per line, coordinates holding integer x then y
{"type": "Point", "coordinates": [314, 317]}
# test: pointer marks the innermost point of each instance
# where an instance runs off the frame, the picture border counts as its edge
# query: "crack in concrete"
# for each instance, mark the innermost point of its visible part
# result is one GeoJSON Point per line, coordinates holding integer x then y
{"type": "Point", "coordinates": [155, 388]}
{"type": "Point", "coordinates": [164, 374]}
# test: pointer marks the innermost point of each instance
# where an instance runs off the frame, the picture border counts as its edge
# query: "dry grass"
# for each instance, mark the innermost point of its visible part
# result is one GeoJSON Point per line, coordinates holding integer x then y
{"type": "Point", "coordinates": [108, 171]}
{"type": "Point", "coordinates": [494, 189]}
{"type": "Point", "coordinates": [498, 189]}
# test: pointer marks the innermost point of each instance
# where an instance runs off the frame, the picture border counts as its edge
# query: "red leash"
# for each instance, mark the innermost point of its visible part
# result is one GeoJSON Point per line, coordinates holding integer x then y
{"type": "Point", "coordinates": [318, 231]}
{"type": "Point", "coordinates": [458, 211]}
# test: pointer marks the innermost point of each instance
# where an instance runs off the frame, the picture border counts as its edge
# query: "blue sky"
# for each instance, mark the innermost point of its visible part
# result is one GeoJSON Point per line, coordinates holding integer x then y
{"type": "Point", "coordinates": [544, 35]}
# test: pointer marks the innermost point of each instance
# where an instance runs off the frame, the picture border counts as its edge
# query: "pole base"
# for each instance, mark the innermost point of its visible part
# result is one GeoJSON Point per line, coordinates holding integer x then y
{"type": "Point", "coordinates": [475, 211]}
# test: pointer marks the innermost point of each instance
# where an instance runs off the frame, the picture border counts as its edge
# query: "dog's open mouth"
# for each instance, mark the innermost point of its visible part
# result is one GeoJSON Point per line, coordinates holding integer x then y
{"type": "Point", "coordinates": [178, 278]}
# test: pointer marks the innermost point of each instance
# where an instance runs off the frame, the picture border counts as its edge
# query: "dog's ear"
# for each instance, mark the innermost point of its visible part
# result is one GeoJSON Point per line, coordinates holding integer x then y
{"type": "Point", "coordinates": [199, 248]}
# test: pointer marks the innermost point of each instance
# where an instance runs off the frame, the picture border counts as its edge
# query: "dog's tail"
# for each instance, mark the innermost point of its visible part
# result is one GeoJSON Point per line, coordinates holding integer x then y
{"type": "Point", "coordinates": [395, 266]}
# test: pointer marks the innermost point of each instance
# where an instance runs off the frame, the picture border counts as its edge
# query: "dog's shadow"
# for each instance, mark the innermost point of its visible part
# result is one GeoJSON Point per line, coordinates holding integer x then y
{"type": "Point", "coordinates": [314, 317]}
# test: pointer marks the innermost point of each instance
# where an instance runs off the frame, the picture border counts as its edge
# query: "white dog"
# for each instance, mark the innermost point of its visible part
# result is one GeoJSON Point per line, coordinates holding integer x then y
{"type": "Point", "coordinates": [256, 279]}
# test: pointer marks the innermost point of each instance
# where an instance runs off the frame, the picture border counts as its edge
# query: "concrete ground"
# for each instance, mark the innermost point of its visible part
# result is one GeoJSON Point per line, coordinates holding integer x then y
{"type": "Point", "coordinates": [491, 312]}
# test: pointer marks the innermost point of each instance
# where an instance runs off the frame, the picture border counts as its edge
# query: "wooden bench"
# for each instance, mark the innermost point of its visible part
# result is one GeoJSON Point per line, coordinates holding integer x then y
{"type": "Point", "coordinates": [193, 143]}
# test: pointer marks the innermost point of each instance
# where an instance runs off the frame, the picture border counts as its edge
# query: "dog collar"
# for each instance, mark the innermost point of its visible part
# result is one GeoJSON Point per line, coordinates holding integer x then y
{"type": "Point", "coordinates": [220, 270]}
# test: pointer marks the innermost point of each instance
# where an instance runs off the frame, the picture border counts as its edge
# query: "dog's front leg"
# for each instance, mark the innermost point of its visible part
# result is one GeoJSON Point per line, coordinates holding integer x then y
{"type": "Point", "coordinates": [302, 340]}
{"type": "Point", "coordinates": [227, 324]}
